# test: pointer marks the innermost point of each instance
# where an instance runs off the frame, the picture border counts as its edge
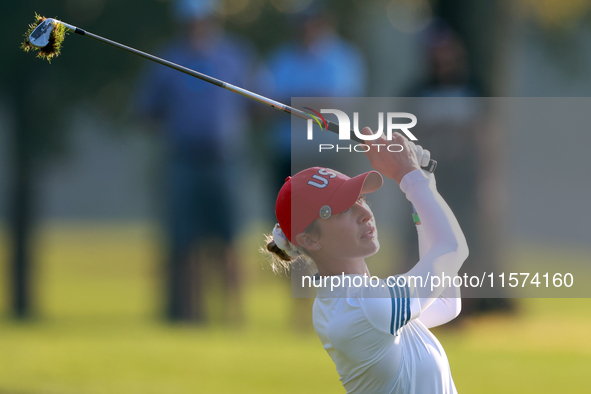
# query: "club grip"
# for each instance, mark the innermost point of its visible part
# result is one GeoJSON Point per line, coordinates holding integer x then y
{"type": "Point", "coordinates": [334, 127]}
{"type": "Point", "coordinates": [431, 166]}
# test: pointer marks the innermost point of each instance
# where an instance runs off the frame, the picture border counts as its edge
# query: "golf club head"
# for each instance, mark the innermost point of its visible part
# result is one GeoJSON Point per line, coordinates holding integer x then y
{"type": "Point", "coordinates": [40, 36]}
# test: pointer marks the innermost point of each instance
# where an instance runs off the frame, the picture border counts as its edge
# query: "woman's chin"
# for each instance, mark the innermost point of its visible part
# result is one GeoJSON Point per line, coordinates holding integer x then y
{"type": "Point", "coordinates": [376, 247]}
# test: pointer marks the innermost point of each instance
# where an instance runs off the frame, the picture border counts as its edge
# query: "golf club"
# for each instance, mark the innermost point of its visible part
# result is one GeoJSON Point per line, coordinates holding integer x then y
{"type": "Point", "coordinates": [50, 33]}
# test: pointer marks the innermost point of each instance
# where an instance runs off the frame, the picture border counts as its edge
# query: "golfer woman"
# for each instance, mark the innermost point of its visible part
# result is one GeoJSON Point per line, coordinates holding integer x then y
{"type": "Point", "coordinates": [377, 335]}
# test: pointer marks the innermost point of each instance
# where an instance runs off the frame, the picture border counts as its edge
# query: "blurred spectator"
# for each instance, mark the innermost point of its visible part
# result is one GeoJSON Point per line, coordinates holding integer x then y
{"type": "Point", "coordinates": [317, 63]}
{"type": "Point", "coordinates": [454, 131]}
{"type": "Point", "coordinates": [448, 72]}
{"type": "Point", "coordinates": [204, 133]}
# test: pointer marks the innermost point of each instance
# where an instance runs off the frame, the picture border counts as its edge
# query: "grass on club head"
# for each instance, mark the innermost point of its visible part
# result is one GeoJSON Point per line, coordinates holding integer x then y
{"type": "Point", "coordinates": [56, 37]}
{"type": "Point", "coordinates": [97, 329]}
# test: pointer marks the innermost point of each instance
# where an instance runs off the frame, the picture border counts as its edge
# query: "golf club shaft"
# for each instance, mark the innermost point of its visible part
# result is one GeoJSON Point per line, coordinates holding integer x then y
{"type": "Point", "coordinates": [203, 77]}
{"type": "Point", "coordinates": [334, 127]}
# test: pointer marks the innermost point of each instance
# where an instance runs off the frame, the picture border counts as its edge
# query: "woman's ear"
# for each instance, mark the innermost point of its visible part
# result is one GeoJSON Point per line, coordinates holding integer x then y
{"type": "Point", "coordinates": [306, 241]}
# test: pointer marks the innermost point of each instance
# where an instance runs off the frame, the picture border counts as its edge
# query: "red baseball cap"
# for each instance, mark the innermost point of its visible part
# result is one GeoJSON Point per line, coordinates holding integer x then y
{"type": "Point", "coordinates": [318, 193]}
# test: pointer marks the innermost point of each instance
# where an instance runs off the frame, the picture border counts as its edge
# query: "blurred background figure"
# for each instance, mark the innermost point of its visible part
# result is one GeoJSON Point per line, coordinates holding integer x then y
{"type": "Point", "coordinates": [316, 62]}
{"type": "Point", "coordinates": [454, 131]}
{"type": "Point", "coordinates": [448, 73]}
{"type": "Point", "coordinates": [204, 132]}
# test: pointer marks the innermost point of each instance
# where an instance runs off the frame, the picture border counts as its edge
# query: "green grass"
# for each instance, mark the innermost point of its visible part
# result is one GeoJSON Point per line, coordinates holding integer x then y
{"type": "Point", "coordinates": [97, 330]}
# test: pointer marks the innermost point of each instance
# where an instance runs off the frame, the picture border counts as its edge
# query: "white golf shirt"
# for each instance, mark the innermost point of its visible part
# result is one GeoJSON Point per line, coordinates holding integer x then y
{"type": "Point", "coordinates": [380, 345]}
{"type": "Point", "coordinates": [377, 335]}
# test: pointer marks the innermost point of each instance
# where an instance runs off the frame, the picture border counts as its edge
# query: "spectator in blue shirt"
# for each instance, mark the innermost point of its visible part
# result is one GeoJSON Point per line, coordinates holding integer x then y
{"type": "Point", "coordinates": [318, 63]}
{"type": "Point", "coordinates": [204, 129]}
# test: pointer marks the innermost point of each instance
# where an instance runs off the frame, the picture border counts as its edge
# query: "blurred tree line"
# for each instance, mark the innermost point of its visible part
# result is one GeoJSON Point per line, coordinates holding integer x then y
{"type": "Point", "coordinates": [38, 94]}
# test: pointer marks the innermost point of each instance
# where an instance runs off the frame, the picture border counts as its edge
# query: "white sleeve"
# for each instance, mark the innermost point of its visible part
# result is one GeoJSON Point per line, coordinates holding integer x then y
{"type": "Point", "coordinates": [449, 304]}
{"type": "Point", "coordinates": [424, 244]}
{"type": "Point", "coordinates": [448, 249]}
{"type": "Point", "coordinates": [390, 305]}
{"type": "Point", "coordinates": [441, 311]}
